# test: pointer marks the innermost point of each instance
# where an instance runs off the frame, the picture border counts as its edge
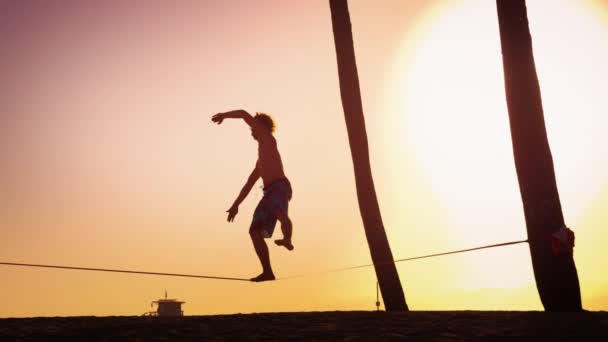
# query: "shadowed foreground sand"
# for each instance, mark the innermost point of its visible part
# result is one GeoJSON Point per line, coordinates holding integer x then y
{"type": "Point", "coordinates": [423, 325]}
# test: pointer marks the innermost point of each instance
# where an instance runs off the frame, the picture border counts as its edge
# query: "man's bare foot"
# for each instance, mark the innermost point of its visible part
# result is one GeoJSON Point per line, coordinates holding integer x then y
{"type": "Point", "coordinates": [263, 277]}
{"type": "Point", "coordinates": [284, 243]}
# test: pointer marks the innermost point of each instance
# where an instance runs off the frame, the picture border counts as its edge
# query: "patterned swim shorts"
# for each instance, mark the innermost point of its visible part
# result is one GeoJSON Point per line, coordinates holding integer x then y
{"type": "Point", "coordinates": [276, 199]}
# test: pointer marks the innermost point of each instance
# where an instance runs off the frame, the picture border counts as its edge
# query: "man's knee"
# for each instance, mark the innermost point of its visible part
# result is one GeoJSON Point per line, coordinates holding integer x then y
{"type": "Point", "coordinates": [256, 234]}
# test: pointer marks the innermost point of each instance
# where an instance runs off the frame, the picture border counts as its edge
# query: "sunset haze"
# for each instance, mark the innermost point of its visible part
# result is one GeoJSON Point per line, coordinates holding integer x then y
{"type": "Point", "coordinates": [109, 157]}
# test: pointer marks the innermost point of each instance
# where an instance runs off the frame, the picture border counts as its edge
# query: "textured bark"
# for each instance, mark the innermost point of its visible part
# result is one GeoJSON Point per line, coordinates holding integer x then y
{"type": "Point", "coordinates": [556, 276]}
{"type": "Point", "coordinates": [386, 272]}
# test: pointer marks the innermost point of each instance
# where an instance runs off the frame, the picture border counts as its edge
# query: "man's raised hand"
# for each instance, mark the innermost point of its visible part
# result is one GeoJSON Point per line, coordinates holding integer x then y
{"type": "Point", "coordinates": [218, 118]}
{"type": "Point", "coordinates": [232, 213]}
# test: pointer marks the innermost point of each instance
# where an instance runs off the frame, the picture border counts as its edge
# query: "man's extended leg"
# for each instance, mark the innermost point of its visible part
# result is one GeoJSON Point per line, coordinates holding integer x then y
{"type": "Point", "coordinates": [262, 251]}
{"type": "Point", "coordinates": [287, 229]}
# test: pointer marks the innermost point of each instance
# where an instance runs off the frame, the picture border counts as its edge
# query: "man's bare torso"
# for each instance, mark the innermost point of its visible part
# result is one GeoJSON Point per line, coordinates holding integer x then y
{"type": "Point", "coordinates": [269, 164]}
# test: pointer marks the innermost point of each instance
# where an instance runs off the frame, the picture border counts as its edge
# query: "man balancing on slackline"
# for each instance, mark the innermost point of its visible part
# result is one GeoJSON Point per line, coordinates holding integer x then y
{"type": "Point", "coordinates": [277, 190]}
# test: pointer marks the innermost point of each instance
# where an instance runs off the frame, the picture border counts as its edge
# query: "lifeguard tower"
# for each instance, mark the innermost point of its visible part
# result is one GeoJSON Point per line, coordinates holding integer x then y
{"type": "Point", "coordinates": [166, 308]}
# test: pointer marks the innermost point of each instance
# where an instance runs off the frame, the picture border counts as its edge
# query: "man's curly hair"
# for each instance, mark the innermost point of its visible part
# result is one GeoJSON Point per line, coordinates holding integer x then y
{"type": "Point", "coordinates": [266, 120]}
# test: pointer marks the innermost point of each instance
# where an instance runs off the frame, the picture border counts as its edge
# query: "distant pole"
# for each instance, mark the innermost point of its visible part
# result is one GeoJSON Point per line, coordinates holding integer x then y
{"type": "Point", "coordinates": [556, 276]}
{"type": "Point", "coordinates": [386, 272]}
{"type": "Point", "coordinates": [377, 296]}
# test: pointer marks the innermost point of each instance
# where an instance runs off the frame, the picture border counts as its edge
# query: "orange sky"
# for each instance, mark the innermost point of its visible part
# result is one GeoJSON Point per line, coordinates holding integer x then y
{"type": "Point", "coordinates": [109, 158]}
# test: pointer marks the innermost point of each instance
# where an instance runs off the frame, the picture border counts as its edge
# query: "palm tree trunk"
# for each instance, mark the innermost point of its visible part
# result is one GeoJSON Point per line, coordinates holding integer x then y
{"type": "Point", "coordinates": [556, 276]}
{"type": "Point", "coordinates": [386, 272]}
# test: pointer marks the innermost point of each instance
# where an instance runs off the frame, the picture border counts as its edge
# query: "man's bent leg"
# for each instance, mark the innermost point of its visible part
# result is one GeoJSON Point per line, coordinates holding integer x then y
{"type": "Point", "coordinates": [287, 229]}
{"type": "Point", "coordinates": [262, 251]}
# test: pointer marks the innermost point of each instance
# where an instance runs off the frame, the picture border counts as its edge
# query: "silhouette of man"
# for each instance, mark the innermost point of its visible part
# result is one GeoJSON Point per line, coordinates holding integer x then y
{"type": "Point", "coordinates": [277, 190]}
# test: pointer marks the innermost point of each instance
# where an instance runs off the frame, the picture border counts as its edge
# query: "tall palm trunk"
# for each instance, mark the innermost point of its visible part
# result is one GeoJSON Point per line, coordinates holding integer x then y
{"type": "Point", "coordinates": [556, 276]}
{"type": "Point", "coordinates": [392, 293]}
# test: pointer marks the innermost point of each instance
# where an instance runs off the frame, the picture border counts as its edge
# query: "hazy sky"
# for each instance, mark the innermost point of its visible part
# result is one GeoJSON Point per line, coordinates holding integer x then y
{"type": "Point", "coordinates": [108, 157]}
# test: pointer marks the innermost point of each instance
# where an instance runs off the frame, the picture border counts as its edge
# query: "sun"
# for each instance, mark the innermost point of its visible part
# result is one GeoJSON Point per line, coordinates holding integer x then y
{"type": "Point", "coordinates": [448, 91]}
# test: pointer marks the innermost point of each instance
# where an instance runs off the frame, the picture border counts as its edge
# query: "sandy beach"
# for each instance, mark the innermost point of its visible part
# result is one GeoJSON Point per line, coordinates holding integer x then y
{"type": "Point", "coordinates": [357, 325]}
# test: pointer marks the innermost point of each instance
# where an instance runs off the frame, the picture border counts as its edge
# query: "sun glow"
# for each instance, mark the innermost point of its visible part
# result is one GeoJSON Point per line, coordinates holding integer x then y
{"type": "Point", "coordinates": [450, 97]}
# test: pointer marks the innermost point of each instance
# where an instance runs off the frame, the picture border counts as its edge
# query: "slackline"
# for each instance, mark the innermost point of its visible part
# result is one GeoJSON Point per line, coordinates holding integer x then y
{"type": "Point", "coordinates": [122, 271]}
{"type": "Point", "coordinates": [243, 279]}
{"type": "Point", "coordinates": [408, 259]}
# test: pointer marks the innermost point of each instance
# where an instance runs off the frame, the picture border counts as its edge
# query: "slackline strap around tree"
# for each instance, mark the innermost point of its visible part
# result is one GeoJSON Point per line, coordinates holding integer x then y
{"type": "Point", "coordinates": [243, 279]}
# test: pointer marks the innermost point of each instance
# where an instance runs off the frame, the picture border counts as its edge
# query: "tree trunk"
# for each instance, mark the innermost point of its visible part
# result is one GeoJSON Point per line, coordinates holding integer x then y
{"type": "Point", "coordinates": [556, 276]}
{"type": "Point", "coordinates": [386, 272]}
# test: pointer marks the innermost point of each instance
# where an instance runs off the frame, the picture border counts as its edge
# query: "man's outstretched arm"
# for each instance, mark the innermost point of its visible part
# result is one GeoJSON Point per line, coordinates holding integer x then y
{"type": "Point", "coordinates": [236, 114]}
{"type": "Point", "coordinates": [234, 209]}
